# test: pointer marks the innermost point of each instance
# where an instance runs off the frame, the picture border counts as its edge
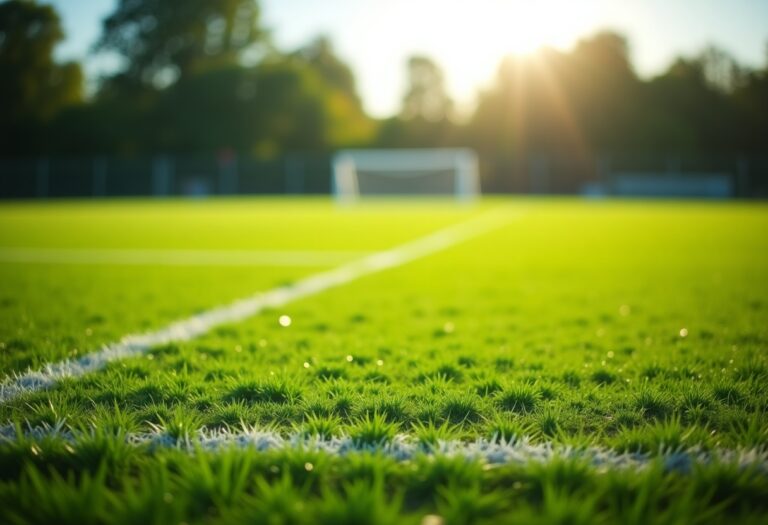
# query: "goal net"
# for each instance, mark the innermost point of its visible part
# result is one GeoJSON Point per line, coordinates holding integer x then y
{"type": "Point", "coordinates": [403, 172]}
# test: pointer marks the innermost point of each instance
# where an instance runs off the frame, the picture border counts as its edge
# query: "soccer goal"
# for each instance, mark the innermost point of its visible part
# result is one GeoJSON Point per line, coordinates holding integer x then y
{"type": "Point", "coordinates": [404, 172]}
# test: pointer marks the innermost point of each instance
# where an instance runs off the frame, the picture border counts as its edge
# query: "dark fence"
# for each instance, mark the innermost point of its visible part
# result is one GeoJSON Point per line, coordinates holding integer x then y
{"type": "Point", "coordinates": [741, 176]}
{"type": "Point", "coordinates": [310, 173]}
{"type": "Point", "coordinates": [164, 175]}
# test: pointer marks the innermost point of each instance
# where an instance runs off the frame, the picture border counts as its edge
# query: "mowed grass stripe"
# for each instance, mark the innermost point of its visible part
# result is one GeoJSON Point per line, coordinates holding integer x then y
{"type": "Point", "coordinates": [154, 257]}
{"type": "Point", "coordinates": [202, 323]}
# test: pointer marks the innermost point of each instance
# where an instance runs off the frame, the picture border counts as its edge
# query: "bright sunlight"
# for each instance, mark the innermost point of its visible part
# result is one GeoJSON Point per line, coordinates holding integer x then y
{"type": "Point", "coordinates": [469, 38]}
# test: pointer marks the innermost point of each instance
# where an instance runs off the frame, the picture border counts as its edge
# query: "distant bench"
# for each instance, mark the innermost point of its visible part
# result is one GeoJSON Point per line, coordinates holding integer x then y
{"type": "Point", "coordinates": [653, 184]}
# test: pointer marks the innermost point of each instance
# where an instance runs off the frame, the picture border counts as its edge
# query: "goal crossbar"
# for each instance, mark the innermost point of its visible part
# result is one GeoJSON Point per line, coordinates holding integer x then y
{"type": "Point", "coordinates": [443, 171]}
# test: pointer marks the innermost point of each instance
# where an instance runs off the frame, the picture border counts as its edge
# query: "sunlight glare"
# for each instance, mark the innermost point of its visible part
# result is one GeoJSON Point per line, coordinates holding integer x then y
{"type": "Point", "coordinates": [469, 38]}
{"type": "Point", "coordinates": [523, 27]}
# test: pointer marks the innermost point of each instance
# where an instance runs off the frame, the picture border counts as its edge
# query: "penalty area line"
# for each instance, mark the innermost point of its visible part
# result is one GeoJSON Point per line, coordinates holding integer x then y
{"type": "Point", "coordinates": [404, 447]}
{"type": "Point", "coordinates": [199, 324]}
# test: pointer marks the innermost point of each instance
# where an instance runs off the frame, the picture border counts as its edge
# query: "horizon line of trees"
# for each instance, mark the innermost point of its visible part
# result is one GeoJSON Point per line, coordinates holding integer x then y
{"type": "Point", "coordinates": [204, 76]}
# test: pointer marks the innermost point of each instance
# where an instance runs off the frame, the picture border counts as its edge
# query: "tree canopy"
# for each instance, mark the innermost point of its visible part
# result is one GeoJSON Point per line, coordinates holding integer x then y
{"type": "Point", "coordinates": [188, 85]}
{"type": "Point", "coordinates": [202, 75]}
{"type": "Point", "coordinates": [161, 40]}
{"type": "Point", "coordinates": [33, 87]}
{"type": "Point", "coordinates": [591, 98]}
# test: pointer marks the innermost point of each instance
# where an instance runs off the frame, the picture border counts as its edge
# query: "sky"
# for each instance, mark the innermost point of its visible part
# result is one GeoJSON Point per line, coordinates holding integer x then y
{"type": "Point", "coordinates": [468, 38]}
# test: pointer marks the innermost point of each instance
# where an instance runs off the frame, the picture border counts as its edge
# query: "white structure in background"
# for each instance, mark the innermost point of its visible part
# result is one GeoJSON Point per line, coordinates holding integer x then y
{"type": "Point", "coordinates": [707, 185]}
{"type": "Point", "coordinates": [405, 172]}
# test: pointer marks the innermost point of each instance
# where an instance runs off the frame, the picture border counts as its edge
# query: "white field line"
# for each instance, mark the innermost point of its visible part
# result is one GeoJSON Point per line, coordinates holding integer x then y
{"type": "Point", "coordinates": [406, 448]}
{"type": "Point", "coordinates": [142, 257]}
{"type": "Point", "coordinates": [197, 325]}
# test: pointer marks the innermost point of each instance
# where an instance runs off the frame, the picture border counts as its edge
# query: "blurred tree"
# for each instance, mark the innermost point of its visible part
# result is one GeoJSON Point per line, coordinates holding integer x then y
{"type": "Point", "coordinates": [163, 40]}
{"type": "Point", "coordinates": [721, 71]}
{"type": "Point", "coordinates": [751, 102]}
{"type": "Point", "coordinates": [121, 119]}
{"type": "Point", "coordinates": [557, 101]}
{"type": "Point", "coordinates": [591, 99]}
{"type": "Point", "coordinates": [261, 110]}
{"type": "Point", "coordinates": [281, 104]}
{"type": "Point", "coordinates": [604, 91]}
{"type": "Point", "coordinates": [187, 80]}
{"type": "Point", "coordinates": [700, 115]}
{"type": "Point", "coordinates": [426, 97]}
{"type": "Point", "coordinates": [349, 125]}
{"type": "Point", "coordinates": [424, 119]}
{"type": "Point", "coordinates": [500, 114]}
{"type": "Point", "coordinates": [320, 55]}
{"type": "Point", "coordinates": [33, 87]}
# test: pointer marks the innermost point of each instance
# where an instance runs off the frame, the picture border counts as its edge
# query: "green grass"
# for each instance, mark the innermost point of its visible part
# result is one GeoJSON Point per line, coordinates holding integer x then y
{"type": "Point", "coordinates": [49, 312]}
{"type": "Point", "coordinates": [635, 326]}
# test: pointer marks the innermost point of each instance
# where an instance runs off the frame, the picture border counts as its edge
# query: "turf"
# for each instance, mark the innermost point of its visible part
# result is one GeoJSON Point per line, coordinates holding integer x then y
{"type": "Point", "coordinates": [630, 326]}
{"type": "Point", "coordinates": [50, 312]}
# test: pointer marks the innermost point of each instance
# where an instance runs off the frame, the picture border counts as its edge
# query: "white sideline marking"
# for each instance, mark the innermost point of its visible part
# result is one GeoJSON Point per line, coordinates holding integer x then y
{"type": "Point", "coordinates": [175, 257]}
{"type": "Point", "coordinates": [405, 448]}
{"type": "Point", "coordinates": [199, 324]}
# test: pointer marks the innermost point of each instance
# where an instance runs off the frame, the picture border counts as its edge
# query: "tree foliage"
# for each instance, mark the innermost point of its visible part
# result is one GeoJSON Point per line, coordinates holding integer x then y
{"type": "Point", "coordinates": [425, 115]}
{"type": "Point", "coordinates": [426, 97]}
{"type": "Point", "coordinates": [321, 56]}
{"type": "Point", "coordinates": [591, 99]}
{"type": "Point", "coordinates": [165, 39]}
{"type": "Point", "coordinates": [265, 109]}
{"type": "Point", "coordinates": [186, 87]}
{"type": "Point", "coordinates": [201, 75]}
{"type": "Point", "coordinates": [33, 87]}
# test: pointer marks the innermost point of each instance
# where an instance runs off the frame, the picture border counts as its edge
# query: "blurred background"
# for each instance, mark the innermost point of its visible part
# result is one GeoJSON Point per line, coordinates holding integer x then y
{"type": "Point", "coordinates": [199, 97]}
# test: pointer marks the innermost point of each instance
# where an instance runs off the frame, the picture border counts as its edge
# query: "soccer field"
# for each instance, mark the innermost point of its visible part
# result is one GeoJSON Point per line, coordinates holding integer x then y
{"type": "Point", "coordinates": [418, 361]}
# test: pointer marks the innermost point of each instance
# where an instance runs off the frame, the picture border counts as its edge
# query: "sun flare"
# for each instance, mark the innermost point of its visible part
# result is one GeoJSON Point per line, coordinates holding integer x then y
{"type": "Point", "coordinates": [470, 38]}
{"type": "Point", "coordinates": [522, 27]}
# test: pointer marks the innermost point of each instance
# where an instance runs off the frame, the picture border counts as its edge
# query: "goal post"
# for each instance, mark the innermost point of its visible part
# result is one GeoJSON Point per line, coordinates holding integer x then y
{"type": "Point", "coordinates": [405, 172]}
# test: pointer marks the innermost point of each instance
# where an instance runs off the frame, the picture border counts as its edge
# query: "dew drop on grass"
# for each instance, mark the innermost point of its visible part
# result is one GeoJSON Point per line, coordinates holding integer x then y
{"type": "Point", "coordinates": [683, 332]}
{"type": "Point", "coordinates": [624, 310]}
{"type": "Point", "coordinates": [432, 519]}
{"type": "Point", "coordinates": [306, 364]}
{"type": "Point", "coordinates": [350, 359]}
{"type": "Point", "coordinates": [308, 467]}
{"type": "Point", "coordinates": [285, 321]}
